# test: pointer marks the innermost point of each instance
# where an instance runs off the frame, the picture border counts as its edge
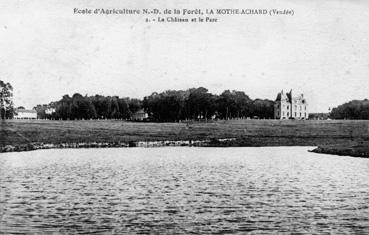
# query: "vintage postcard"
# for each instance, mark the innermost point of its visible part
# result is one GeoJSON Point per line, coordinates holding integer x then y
{"type": "Point", "coordinates": [184, 117]}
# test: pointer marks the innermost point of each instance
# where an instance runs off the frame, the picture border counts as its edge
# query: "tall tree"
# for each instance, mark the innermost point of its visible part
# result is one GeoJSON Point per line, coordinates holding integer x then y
{"type": "Point", "coordinates": [82, 107]}
{"type": "Point", "coordinates": [200, 103]}
{"type": "Point", "coordinates": [63, 108]}
{"type": "Point", "coordinates": [134, 105]}
{"type": "Point", "coordinates": [6, 100]}
{"type": "Point", "coordinates": [263, 108]}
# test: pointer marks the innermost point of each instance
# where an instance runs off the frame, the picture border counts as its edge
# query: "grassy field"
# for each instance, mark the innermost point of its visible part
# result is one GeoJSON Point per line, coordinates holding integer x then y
{"type": "Point", "coordinates": [250, 132]}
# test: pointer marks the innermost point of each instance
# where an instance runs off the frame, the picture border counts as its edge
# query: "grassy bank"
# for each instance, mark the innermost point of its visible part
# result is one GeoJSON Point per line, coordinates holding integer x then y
{"type": "Point", "coordinates": [354, 149]}
{"type": "Point", "coordinates": [242, 132]}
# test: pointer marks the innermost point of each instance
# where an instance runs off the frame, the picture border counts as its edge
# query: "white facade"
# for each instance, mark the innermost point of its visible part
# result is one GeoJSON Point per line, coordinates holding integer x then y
{"type": "Point", "coordinates": [288, 107]}
{"type": "Point", "coordinates": [139, 115]}
{"type": "Point", "coordinates": [50, 111]}
{"type": "Point", "coordinates": [25, 114]}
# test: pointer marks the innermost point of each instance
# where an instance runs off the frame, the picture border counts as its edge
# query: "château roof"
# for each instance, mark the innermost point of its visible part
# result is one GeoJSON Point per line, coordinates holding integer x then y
{"type": "Point", "coordinates": [287, 96]}
{"type": "Point", "coordinates": [284, 96]}
{"type": "Point", "coordinates": [141, 111]}
{"type": "Point", "coordinates": [278, 97]}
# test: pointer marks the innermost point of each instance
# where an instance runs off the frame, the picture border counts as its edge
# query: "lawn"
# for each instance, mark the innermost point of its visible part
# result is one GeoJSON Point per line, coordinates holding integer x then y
{"type": "Point", "coordinates": [255, 132]}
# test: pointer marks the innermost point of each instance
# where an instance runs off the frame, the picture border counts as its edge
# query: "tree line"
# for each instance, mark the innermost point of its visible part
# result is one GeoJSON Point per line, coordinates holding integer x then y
{"type": "Point", "coordinates": [80, 107]}
{"type": "Point", "coordinates": [199, 104]}
{"type": "Point", "coordinates": [167, 106]}
{"type": "Point", "coordinates": [355, 109]}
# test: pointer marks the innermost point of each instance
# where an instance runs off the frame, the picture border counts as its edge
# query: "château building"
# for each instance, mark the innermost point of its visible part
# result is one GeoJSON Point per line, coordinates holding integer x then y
{"type": "Point", "coordinates": [287, 106]}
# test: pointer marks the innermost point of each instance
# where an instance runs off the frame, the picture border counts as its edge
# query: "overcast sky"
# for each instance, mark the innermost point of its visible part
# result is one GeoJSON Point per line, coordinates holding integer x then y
{"type": "Point", "coordinates": [322, 51]}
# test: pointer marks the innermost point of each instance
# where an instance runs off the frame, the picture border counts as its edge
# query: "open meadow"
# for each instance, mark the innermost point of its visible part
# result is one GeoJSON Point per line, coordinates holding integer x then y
{"type": "Point", "coordinates": [251, 132]}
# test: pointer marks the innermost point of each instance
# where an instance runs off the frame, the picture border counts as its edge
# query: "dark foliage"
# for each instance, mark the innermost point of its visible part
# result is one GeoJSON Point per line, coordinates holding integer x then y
{"type": "Point", "coordinates": [234, 104]}
{"type": "Point", "coordinates": [355, 109]}
{"type": "Point", "coordinates": [262, 108]}
{"type": "Point", "coordinates": [199, 104]}
{"type": "Point", "coordinates": [80, 107]}
{"type": "Point", "coordinates": [168, 106]}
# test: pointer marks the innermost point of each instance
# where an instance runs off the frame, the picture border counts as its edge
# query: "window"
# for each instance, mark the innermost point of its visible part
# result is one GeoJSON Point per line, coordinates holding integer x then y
{"type": "Point", "coordinates": [295, 106]}
{"type": "Point", "coordinates": [288, 114]}
{"type": "Point", "coordinates": [282, 113]}
{"type": "Point", "coordinates": [300, 107]}
{"type": "Point", "coordinates": [288, 107]}
{"type": "Point", "coordinates": [295, 114]}
{"type": "Point", "coordinates": [305, 108]}
{"type": "Point", "coordinates": [300, 114]}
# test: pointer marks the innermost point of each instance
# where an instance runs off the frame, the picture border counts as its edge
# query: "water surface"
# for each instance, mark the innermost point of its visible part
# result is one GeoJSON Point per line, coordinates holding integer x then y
{"type": "Point", "coordinates": [183, 190]}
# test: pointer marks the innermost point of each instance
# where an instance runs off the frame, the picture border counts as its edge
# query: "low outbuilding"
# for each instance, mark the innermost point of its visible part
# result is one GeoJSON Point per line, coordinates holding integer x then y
{"type": "Point", "coordinates": [25, 114]}
{"type": "Point", "coordinates": [140, 115]}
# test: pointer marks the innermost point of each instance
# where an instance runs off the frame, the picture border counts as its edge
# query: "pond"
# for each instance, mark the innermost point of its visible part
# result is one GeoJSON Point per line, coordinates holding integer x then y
{"type": "Point", "coordinates": [183, 190]}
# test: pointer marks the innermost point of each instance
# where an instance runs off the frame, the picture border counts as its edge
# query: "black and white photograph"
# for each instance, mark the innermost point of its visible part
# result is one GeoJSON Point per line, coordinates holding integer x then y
{"type": "Point", "coordinates": [184, 117]}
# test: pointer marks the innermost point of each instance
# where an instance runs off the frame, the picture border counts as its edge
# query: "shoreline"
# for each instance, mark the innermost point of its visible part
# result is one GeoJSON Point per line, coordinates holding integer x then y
{"type": "Point", "coordinates": [224, 142]}
{"type": "Point", "coordinates": [130, 144]}
{"type": "Point", "coordinates": [361, 150]}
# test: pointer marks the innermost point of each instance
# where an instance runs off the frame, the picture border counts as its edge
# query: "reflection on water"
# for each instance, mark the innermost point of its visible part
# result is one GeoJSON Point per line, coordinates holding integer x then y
{"type": "Point", "coordinates": [183, 190]}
